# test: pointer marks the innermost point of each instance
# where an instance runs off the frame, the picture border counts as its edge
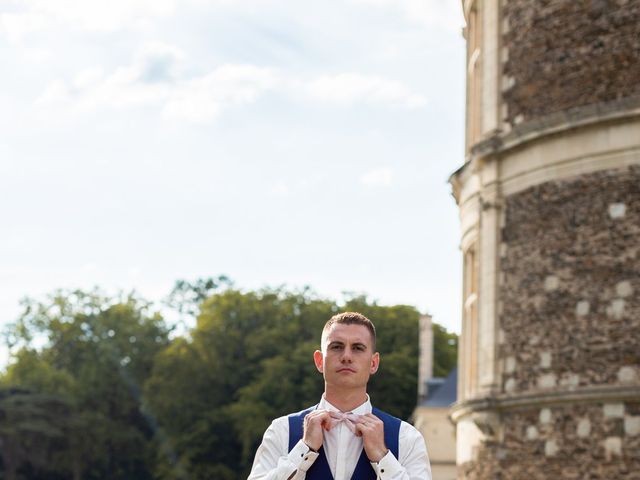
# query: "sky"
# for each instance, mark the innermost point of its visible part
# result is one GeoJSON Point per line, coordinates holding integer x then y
{"type": "Point", "coordinates": [278, 142]}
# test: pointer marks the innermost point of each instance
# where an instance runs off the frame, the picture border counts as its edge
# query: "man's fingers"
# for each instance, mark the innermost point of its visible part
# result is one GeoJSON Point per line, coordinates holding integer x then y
{"type": "Point", "coordinates": [326, 422]}
{"type": "Point", "coordinates": [314, 424]}
{"type": "Point", "coordinates": [372, 430]}
{"type": "Point", "coordinates": [371, 417]}
{"type": "Point", "coordinates": [369, 424]}
{"type": "Point", "coordinates": [368, 419]}
{"type": "Point", "coordinates": [364, 426]}
{"type": "Point", "coordinates": [319, 418]}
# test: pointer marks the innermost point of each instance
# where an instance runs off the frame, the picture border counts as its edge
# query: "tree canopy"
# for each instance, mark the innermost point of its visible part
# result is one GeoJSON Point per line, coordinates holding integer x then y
{"type": "Point", "coordinates": [98, 387]}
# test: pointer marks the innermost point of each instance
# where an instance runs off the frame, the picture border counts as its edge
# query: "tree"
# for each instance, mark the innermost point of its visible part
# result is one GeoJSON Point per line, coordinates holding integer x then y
{"type": "Point", "coordinates": [30, 423]}
{"type": "Point", "coordinates": [445, 351]}
{"type": "Point", "coordinates": [96, 352]}
{"type": "Point", "coordinates": [187, 296]}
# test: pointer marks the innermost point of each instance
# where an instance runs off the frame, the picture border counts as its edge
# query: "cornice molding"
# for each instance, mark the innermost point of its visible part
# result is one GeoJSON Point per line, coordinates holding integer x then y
{"type": "Point", "coordinates": [501, 403]}
{"type": "Point", "coordinates": [581, 117]}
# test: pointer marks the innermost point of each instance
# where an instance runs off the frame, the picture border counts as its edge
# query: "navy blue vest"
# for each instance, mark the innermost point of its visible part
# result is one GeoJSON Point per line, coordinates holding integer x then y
{"type": "Point", "coordinates": [320, 469]}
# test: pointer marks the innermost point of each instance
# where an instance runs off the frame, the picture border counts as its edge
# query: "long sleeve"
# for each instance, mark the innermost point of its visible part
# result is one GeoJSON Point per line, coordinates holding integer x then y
{"type": "Point", "coordinates": [413, 463]}
{"type": "Point", "coordinates": [273, 462]}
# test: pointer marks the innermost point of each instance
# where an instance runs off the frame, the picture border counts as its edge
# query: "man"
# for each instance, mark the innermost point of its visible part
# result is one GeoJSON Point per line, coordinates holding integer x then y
{"type": "Point", "coordinates": [343, 437]}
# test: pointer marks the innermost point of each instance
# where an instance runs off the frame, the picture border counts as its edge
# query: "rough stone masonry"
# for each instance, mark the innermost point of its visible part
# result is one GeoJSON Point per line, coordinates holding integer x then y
{"type": "Point", "coordinates": [564, 55]}
{"type": "Point", "coordinates": [571, 319]}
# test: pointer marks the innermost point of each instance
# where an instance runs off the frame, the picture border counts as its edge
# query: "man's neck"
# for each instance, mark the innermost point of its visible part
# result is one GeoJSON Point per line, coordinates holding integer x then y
{"type": "Point", "coordinates": [345, 401]}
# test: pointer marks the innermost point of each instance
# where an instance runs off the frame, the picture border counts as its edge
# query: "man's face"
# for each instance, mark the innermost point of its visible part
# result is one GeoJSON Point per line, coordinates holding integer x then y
{"type": "Point", "coordinates": [347, 358]}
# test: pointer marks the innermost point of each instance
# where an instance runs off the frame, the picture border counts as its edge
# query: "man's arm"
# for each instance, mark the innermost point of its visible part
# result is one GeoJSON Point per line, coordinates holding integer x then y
{"type": "Point", "coordinates": [273, 462]}
{"type": "Point", "coordinates": [413, 463]}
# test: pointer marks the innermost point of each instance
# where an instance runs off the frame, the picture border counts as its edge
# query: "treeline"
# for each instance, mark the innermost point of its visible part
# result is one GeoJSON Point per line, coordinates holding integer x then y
{"type": "Point", "coordinates": [100, 388]}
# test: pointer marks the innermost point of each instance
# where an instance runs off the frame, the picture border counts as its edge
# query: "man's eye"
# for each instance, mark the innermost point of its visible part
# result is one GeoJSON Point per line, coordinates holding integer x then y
{"type": "Point", "coordinates": [359, 348]}
{"type": "Point", "coordinates": [335, 347]}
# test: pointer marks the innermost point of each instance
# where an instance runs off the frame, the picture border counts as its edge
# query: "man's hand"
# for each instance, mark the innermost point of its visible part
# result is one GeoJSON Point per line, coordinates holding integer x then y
{"type": "Point", "coordinates": [371, 428]}
{"type": "Point", "coordinates": [314, 425]}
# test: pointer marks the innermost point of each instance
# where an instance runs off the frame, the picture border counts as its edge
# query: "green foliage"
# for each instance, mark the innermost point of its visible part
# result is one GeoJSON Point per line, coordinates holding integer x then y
{"type": "Point", "coordinates": [32, 425]}
{"type": "Point", "coordinates": [94, 353]}
{"type": "Point", "coordinates": [445, 351]}
{"type": "Point", "coordinates": [187, 296]}
{"type": "Point", "coordinates": [133, 404]}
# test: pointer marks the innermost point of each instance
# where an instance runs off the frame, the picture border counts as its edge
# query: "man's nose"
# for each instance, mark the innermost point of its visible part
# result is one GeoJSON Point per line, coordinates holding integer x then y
{"type": "Point", "coordinates": [346, 355]}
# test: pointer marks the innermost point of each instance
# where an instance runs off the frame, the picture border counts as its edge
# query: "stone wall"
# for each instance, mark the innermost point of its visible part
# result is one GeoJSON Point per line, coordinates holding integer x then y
{"type": "Point", "coordinates": [570, 283]}
{"type": "Point", "coordinates": [597, 441]}
{"type": "Point", "coordinates": [570, 322]}
{"type": "Point", "coordinates": [562, 55]}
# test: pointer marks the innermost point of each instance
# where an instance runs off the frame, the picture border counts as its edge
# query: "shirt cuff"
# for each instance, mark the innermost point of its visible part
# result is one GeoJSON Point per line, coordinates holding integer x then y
{"type": "Point", "coordinates": [387, 467]}
{"type": "Point", "coordinates": [302, 457]}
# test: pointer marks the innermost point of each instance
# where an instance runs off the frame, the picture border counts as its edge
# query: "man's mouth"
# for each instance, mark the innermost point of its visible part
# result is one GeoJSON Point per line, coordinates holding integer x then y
{"type": "Point", "coordinates": [350, 370]}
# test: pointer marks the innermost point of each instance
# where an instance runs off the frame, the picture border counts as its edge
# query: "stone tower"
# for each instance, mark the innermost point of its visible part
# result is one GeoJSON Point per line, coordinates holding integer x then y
{"type": "Point", "coordinates": [549, 201]}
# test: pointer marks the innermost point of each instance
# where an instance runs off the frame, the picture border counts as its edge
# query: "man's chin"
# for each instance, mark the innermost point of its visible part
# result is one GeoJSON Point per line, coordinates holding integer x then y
{"type": "Point", "coordinates": [348, 382]}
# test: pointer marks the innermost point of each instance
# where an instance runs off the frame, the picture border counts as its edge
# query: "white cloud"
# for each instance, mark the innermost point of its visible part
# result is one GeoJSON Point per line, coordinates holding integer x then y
{"type": "Point", "coordinates": [29, 16]}
{"type": "Point", "coordinates": [90, 90]}
{"type": "Point", "coordinates": [88, 77]}
{"type": "Point", "coordinates": [280, 189]}
{"type": "Point", "coordinates": [153, 79]}
{"type": "Point", "coordinates": [97, 15]}
{"type": "Point", "coordinates": [133, 273]}
{"type": "Point", "coordinates": [445, 14]}
{"type": "Point", "coordinates": [16, 26]}
{"type": "Point", "coordinates": [379, 177]}
{"type": "Point", "coordinates": [156, 78]}
{"type": "Point", "coordinates": [159, 61]}
{"type": "Point", "coordinates": [89, 267]}
{"type": "Point", "coordinates": [348, 88]}
{"type": "Point", "coordinates": [56, 92]}
{"type": "Point", "coordinates": [204, 98]}
{"type": "Point", "coordinates": [143, 82]}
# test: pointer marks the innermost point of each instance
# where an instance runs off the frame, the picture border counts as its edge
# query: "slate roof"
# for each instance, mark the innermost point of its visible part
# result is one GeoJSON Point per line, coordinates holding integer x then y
{"type": "Point", "coordinates": [441, 392]}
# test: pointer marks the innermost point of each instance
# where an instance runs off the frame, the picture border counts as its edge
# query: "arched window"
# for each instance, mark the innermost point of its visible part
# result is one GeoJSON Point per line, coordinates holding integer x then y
{"type": "Point", "coordinates": [469, 360]}
{"type": "Point", "coordinates": [474, 74]}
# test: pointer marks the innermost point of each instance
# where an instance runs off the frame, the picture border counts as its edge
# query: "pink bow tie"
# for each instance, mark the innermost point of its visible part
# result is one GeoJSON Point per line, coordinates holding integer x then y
{"type": "Point", "coordinates": [349, 419]}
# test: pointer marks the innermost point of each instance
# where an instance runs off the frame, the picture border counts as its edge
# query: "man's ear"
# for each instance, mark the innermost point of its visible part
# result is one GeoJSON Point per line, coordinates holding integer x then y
{"type": "Point", "coordinates": [375, 363]}
{"type": "Point", "coordinates": [318, 360]}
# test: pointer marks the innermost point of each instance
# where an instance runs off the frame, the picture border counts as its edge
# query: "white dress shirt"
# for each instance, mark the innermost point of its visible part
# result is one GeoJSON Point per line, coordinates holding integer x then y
{"type": "Point", "coordinates": [342, 449]}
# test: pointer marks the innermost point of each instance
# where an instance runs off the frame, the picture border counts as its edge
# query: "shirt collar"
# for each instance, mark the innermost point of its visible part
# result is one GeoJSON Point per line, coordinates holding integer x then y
{"type": "Point", "coordinates": [359, 410]}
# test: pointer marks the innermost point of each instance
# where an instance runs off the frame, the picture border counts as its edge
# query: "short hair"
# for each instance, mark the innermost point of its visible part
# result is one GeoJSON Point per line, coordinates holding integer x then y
{"type": "Point", "coordinates": [350, 318]}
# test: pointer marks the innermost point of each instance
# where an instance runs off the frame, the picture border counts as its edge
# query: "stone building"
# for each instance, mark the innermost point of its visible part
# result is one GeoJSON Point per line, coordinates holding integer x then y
{"type": "Point", "coordinates": [549, 202]}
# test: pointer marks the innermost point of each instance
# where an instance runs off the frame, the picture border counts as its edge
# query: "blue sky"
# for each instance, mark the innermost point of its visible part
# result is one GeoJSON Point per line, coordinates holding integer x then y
{"type": "Point", "coordinates": [276, 141]}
